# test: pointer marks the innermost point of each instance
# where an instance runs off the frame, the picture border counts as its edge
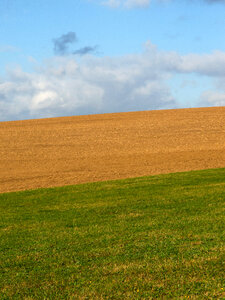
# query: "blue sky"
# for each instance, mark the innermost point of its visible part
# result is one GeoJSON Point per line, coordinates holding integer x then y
{"type": "Point", "coordinates": [74, 57]}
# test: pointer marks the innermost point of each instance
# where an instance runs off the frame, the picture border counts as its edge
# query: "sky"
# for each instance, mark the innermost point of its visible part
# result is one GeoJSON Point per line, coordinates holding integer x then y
{"type": "Point", "coordinates": [75, 57]}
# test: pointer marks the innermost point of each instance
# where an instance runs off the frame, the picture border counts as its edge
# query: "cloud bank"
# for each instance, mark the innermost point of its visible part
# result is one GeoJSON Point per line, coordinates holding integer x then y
{"type": "Point", "coordinates": [64, 86]}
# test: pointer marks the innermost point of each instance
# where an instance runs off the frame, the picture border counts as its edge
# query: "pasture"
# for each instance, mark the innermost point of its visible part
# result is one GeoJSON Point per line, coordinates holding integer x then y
{"type": "Point", "coordinates": [143, 238]}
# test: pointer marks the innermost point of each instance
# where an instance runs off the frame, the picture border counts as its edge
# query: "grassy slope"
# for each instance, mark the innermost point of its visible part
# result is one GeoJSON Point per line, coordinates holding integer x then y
{"type": "Point", "coordinates": [139, 238]}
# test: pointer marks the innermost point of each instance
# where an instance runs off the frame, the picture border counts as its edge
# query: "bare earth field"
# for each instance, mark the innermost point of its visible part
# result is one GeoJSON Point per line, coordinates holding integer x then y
{"type": "Point", "coordinates": [70, 150]}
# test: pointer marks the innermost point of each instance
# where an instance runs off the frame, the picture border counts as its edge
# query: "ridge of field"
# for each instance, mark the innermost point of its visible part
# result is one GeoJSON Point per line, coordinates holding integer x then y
{"type": "Point", "coordinates": [159, 237]}
{"type": "Point", "coordinates": [71, 150]}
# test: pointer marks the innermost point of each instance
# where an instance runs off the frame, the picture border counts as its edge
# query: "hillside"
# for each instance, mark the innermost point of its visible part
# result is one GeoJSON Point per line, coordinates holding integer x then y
{"type": "Point", "coordinates": [156, 237]}
{"type": "Point", "coordinates": [71, 150]}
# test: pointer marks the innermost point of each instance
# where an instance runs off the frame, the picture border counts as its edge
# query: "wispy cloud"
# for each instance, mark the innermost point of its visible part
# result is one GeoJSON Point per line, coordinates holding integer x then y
{"type": "Point", "coordinates": [8, 48]}
{"type": "Point", "coordinates": [85, 50]}
{"type": "Point", "coordinates": [215, 1]}
{"type": "Point", "coordinates": [126, 3]}
{"type": "Point", "coordinates": [129, 4]}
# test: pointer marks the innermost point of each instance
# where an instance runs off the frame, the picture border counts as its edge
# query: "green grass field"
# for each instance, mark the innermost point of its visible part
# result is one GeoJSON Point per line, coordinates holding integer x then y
{"type": "Point", "coordinates": [143, 238]}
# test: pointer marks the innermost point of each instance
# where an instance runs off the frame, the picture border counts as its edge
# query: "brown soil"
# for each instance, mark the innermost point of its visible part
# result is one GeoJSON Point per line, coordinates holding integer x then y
{"type": "Point", "coordinates": [70, 150]}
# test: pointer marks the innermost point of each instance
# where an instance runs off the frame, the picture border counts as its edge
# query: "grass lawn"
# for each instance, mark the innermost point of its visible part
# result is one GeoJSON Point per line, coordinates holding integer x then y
{"type": "Point", "coordinates": [143, 238]}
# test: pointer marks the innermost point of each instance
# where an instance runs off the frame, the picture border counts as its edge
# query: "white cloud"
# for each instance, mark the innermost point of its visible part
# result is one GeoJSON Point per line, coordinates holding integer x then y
{"type": "Point", "coordinates": [112, 3]}
{"type": "Point", "coordinates": [212, 98]}
{"type": "Point", "coordinates": [136, 3]}
{"type": "Point", "coordinates": [64, 86]}
{"type": "Point", "coordinates": [206, 64]}
{"type": "Point", "coordinates": [8, 48]}
{"type": "Point", "coordinates": [127, 3]}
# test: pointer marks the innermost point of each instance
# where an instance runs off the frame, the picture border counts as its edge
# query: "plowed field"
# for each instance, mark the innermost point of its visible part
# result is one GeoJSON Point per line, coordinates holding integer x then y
{"type": "Point", "coordinates": [70, 150]}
